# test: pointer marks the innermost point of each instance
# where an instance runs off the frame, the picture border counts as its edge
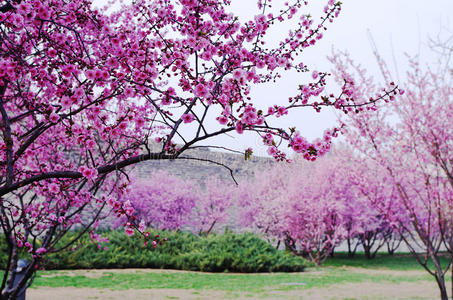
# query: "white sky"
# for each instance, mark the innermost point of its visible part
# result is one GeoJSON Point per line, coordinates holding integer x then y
{"type": "Point", "coordinates": [397, 27]}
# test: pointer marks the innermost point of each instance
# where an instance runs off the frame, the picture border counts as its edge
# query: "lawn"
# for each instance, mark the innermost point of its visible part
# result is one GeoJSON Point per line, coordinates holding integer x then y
{"type": "Point", "coordinates": [400, 273]}
{"type": "Point", "coordinates": [256, 283]}
{"type": "Point", "coordinates": [400, 261]}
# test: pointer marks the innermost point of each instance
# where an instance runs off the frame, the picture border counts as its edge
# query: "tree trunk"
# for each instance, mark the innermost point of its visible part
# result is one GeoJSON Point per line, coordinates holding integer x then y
{"type": "Point", "coordinates": [443, 289]}
{"type": "Point", "coordinates": [367, 251]}
{"type": "Point", "coordinates": [350, 253]}
{"type": "Point", "coordinates": [211, 227]}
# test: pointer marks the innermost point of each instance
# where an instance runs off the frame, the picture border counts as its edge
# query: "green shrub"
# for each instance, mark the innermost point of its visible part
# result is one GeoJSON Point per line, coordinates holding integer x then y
{"type": "Point", "coordinates": [182, 250]}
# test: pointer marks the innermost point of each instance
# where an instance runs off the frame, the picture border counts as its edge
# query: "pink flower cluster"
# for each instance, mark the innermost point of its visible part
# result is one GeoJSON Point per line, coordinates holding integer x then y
{"type": "Point", "coordinates": [88, 173]}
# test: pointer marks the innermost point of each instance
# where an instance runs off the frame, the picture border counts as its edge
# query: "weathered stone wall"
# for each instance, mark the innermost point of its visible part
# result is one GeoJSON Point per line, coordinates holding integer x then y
{"type": "Point", "coordinates": [199, 170]}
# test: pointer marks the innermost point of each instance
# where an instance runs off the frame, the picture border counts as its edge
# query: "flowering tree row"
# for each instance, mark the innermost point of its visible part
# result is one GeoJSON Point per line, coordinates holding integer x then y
{"type": "Point", "coordinates": [155, 202]}
{"type": "Point", "coordinates": [411, 145]}
{"type": "Point", "coordinates": [313, 207]}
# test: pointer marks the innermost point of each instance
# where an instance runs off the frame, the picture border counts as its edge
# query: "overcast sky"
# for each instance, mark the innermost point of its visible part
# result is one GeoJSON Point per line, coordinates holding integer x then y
{"type": "Point", "coordinates": [397, 27]}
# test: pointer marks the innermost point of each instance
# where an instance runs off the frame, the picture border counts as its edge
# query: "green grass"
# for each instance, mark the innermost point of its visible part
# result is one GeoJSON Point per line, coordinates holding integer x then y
{"type": "Point", "coordinates": [338, 270]}
{"type": "Point", "coordinates": [253, 283]}
{"type": "Point", "coordinates": [400, 261]}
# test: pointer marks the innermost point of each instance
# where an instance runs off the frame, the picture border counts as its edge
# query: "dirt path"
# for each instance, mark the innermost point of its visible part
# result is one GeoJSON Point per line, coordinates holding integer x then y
{"type": "Point", "coordinates": [365, 290]}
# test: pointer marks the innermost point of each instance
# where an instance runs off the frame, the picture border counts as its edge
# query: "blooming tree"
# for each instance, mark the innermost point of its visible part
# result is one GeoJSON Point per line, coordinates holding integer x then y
{"type": "Point", "coordinates": [262, 199]}
{"type": "Point", "coordinates": [300, 204]}
{"type": "Point", "coordinates": [313, 207]}
{"type": "Point", "coordinates": [165, 201]}
{"type": "Point", "coordinates": [411, 144]}
{"type": "Point", "coordinates": [83, 91]}
{"type": "Point", "coordinates": [161, 201]}
{"type": "Point", "coordinates": [319, 196]}
{"type": "Point", "coordinates": [213, 205]}
{"type": "Point", "coordinates": [373, 207]}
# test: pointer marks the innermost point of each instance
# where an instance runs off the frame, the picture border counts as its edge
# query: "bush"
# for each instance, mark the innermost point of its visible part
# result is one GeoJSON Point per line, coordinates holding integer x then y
{"type": "Point", "coordinates": [183, 251]}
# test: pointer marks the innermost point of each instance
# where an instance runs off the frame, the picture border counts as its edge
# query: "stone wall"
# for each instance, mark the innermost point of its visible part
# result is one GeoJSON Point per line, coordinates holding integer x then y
{"type": "Point", "coordinates": [204, 168]}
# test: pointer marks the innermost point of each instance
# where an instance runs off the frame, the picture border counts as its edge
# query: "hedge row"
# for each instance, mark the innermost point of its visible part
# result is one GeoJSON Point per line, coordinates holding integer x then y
{"type": "Point", "coordinates": [183, 251]}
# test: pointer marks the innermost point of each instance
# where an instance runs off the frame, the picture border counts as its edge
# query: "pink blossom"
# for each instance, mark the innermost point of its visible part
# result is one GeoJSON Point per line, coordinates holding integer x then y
{"type": "Point", "coordinates": [271, 110]}
{"type": "Point", "coordinates": [129, 231]}
{"type": "Point", "coordinates": [238, 74]}
{"type": "Point", "coordinates": [41, 250]}
{"type": "Point", "coordinates": [128, 208]}
{"type": "Point", "coordinates": [89, 173]}
{"type": "Point", "coordinates": [239, 127]}
{"type": "Point", "coordinates": [142, 226]}
{"type": "Point", "coordinates": [201, 91]}
{"type": "Point", "coordinates": [281, 111]}
{"type": "Point", "coordinates": [272, 150]}
{"type": "Point", "coordinates": [187, 118]}
{"type": "Point", "coordinates": [315, 74]}
{"type": "Point", "coordinates": [222, 120]}
{"type": "Point", "coordinates": [54, 188]}
{"type": "Point", "coordinates": [54, 118]}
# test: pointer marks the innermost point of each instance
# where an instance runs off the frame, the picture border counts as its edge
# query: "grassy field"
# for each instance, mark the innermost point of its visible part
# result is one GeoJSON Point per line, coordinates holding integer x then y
{"type": "Point", "coordinates": [400, 261]}
{"type": "Point", "coordinates": [340, 278]}
{"type": "Point", "coordinates": [397, 272]}
{"type": "Point", "coordinates": [334, 267]}
{"type": "Point", "coordinates": [255, 283]}
{"type": "Point", "coordinates": [335, 271]}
